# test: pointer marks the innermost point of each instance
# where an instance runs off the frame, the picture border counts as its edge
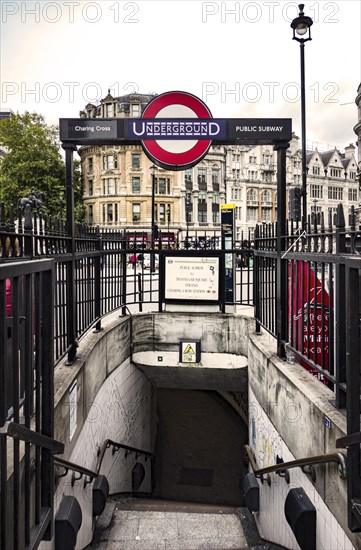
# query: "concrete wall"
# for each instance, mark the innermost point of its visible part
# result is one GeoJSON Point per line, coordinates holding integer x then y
{"type": "Point", "coordinates": [288, 412]}
{"type": "Point", "coordinates": [113, 401]}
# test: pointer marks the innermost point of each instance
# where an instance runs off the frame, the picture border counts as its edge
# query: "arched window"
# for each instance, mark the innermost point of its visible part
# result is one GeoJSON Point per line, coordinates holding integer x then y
{"type": "Point", "coordinates": [252, 195]}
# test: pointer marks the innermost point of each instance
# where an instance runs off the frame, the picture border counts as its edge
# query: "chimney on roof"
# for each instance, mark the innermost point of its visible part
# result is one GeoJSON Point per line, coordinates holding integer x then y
{"type": "Point", "coordinates": [349, 151]}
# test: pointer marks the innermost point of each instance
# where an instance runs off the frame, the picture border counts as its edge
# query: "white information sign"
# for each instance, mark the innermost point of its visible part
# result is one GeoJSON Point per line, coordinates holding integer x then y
{"type": "Point", "coordinates": [192, 278]}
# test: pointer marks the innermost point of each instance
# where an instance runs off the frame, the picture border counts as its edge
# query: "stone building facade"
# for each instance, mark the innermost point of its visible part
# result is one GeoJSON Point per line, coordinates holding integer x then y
{"type": "Point", "coordinates": [251, 182]}
{"type": "Point", "coordinates": [118, 181]}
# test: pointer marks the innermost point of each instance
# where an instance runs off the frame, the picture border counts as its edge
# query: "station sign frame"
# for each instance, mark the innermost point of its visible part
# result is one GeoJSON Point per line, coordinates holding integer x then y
{"type": "Point", "coordinates": [191, 278]}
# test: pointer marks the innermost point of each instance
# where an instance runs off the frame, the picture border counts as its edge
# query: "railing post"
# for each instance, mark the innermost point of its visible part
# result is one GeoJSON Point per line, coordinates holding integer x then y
{"type": "Point", "coordinates": [124, 272]}
{"type": "Point", "coordinates": [28, 232]}
{"type": "Point", "coordinates": [340, 312]}
{"type": "Point", "coordinates": [281, 270]}
{"type": "Point", "coordinates": [97, 280]}
{"type": "Point", "coordinates": [353, 393]}
{"type": "Point", "coordinates": [256, 281]}
{"type": "Point", "coordinates": [70, 265]}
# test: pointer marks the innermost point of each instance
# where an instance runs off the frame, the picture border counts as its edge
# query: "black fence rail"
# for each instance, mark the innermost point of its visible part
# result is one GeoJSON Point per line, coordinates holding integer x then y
{"type": "Point", "coordinates": [26, 403]}
{"type": "Point", "coordinates": [101, 271]}
{"type": "Point", "coordinates": [304, 285]}
{"type": "Point", "coordinates": [300, 295]}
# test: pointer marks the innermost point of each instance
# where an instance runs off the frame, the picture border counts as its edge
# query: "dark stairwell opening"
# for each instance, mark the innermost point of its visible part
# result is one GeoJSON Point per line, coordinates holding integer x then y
{"type": "Point", "coordinates": [199, 448]}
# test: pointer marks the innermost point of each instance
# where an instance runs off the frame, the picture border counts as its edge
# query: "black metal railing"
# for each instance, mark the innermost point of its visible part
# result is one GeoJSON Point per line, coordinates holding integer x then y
{"type": "Point", "coordinates": [308, 317]}
{"type": "Point", "coordinates": [26, 403]}
{"type": "Point", "coordinates": [303, 283]}
{"type": "Point", "coordinates": [95, 275]}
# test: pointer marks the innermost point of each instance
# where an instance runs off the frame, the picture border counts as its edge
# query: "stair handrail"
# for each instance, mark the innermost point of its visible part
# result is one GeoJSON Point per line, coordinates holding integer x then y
{"type": "Point", "coordinates": [67, 465]}
{"type": "Point", "coordinates": [25, 434]}
{"type": "Point", "coordinates": [128, 449]}
{"type": "Point", "coordinates": [338, 457]}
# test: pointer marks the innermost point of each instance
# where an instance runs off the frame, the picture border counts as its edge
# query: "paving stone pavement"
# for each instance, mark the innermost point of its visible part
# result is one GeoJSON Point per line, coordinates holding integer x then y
{"type": "Point", "coordinates": [143, 524]}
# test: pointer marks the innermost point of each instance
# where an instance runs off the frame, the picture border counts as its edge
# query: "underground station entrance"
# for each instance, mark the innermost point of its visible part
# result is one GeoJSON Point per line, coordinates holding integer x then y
{"type": "Point", "coordinates": [199, 435]}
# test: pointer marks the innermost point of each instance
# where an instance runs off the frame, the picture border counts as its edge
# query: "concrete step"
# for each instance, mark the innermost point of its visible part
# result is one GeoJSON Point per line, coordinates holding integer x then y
{"type": "Point", "coordinates": [130, 523]}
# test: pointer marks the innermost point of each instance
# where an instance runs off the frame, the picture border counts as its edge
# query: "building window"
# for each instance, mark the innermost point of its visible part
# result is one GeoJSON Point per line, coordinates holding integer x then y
{"type": "Point", "coordinates": [336, 173]}
{"type": "Point", "coordinates": [238, 213]}
{"type": "Point", "coordinates": [267, 158]}
{"type": "Point", "coordinates": [252, 196]}
{"type": "Point", "coordinates": [215, 216]}
{"type": "Point", "coordinates": [135, 160]}
{"type": "Point", "coordinates": [352, 195]}
{"type": "Point", "coordinates": [135, 109]}
{"type": "Point", "coordinates": [215, 198]}
{"type": "Point", "coordinates": [109, 213]}
{"type": "Point", "coordinates": [162, 212]}
{"type": "Point", "coordinates": [109, 110]}
{"type": "Point", "coordinates": [266, 197]}
{"type": "Point", "coordinates": [90, 214]}
{"type": "Point", "coordinates": [316, 191]}
{"type": "Point", "coordinates": [136, 211]}
{"type": "Point", "coordinates": [90, 188]}
{"type": "Point", "coordinates": [136, 185]}
{"type": "Point", "coordinates": [252, 174]}
{"type": "Point", "coordinates": [335, 193]}
{"type": "Point", "coordinates": [236, 193]}
{"type": "Point", "coordinates": [202, 197]}
{"type": "Point", "coordinates": [316, 170]}
{"type": "Point", "coordinates": [188, 176]}
{"type": "Point", "coordinates": [267, 177]}
{"type": "Point", "coordinates": [109, 186]}
{"type": "Point", "coordinates": [352, 175]}
{"type": "Point", "coordinates": [252, 160]}
{"type": "Point", "coordinates": [202, 216]}
{"type": "Point", "coordinates": [110, 162]}
{"type": "Point", "coordinates": [162, 186]}
{"type": "Point", "coordinates": [215, 175]}
{"type": "Point", "coordinates": [202, 175]}
{"type": "Point", "coordinates": [266, 214]}
{"type": "Point", "coordinates": [252, 214]}
{"type": "Point", "coordinates": [90, 164]}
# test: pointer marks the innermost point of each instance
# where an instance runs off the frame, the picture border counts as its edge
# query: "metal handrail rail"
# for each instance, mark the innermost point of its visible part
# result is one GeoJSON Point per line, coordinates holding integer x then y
{"type": "Point", "coordinates": [110, 443]}
{"type": "Point", "coordinates": [339, 458]}
{"type": "Point", "coordinates": [67, 465]}
{"type": "Point", "coordinates": [22, 433]}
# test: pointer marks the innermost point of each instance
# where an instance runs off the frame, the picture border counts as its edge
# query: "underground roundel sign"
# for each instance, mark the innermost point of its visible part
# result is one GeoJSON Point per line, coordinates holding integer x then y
{"type": "Point", "coordinates": [177, 113]}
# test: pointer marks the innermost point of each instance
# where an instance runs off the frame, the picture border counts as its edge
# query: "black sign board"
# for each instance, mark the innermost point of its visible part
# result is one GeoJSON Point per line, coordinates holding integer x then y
{"type": "Point", "coordinates": [113, 131]}
{"type": "Point", "coordinates": [227, 226]}
{"type": "Point", "coordinates": [259, 130]}
{"type": "Point", "coordinates": [87, 131]}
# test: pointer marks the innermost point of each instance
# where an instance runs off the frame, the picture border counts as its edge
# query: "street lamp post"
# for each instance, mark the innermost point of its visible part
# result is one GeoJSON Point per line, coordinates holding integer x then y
{"type": "Point", "coordinates": [301, 26]}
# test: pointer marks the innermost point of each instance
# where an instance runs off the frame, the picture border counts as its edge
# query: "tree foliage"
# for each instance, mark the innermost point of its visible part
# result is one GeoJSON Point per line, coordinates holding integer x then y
{"type": "Point", "coordinates": [33, 161]}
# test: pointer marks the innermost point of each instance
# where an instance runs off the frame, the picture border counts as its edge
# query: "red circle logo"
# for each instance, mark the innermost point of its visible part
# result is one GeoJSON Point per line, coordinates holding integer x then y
{"type": "Point", "coordinates": [176, 154]}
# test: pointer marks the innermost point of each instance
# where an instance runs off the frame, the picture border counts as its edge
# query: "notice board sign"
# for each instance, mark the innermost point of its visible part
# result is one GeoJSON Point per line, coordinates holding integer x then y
{"type": "Point", "coordinates": [193, 278]}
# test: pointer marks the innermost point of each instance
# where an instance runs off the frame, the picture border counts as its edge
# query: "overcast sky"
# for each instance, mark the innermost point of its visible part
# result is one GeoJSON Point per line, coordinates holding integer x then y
{"type": "Point", "coordinates": [239, 57]}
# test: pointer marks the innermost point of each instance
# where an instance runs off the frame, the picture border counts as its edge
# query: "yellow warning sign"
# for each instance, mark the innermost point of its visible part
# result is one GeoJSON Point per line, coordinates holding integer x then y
{"type": "Point", "coordinates": [189, 354]}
